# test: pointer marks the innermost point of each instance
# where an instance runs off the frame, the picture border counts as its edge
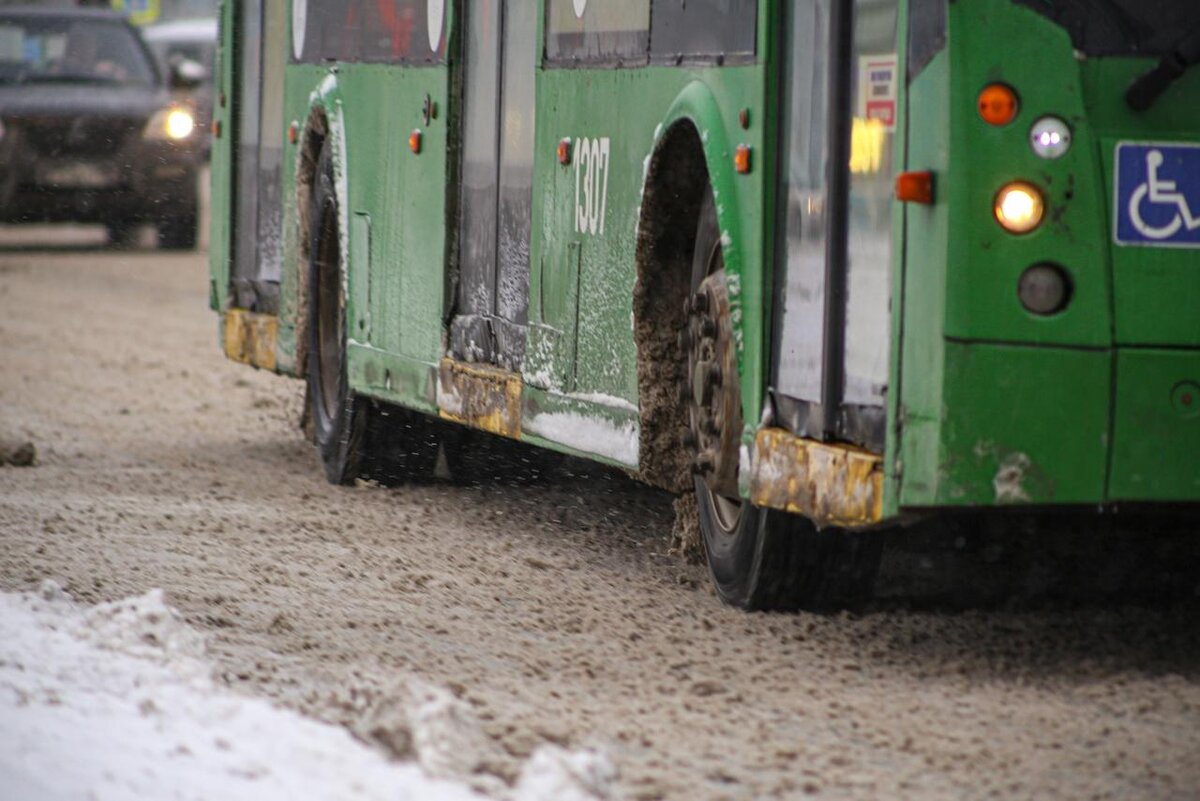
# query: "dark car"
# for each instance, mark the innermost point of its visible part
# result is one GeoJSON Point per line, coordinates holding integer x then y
{"type": "Point", "coordinates": [180, 41]}
{"type": "Point", "coordinates": [89, 131]}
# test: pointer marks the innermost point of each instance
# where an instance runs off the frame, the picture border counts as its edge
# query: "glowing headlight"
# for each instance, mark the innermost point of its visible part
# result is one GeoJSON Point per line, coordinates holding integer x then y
{"type": "Point", "coordinates": [171, 123]}
{"type": "Point", "coordinates": [1019, 207]}
{"type": "Point", "coordinates": [180, 124]}
{"type": "Point", "coordinates": [1050, 137]}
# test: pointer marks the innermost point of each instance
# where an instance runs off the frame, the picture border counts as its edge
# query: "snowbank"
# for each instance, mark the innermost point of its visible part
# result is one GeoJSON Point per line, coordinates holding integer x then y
{"type": "Point", "coordinates": [116, 703]}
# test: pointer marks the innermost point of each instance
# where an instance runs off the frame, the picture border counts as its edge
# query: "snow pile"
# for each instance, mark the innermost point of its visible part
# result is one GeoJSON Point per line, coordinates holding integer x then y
{"type": "Point", "coordinates": [555, 774]}
{"type": "Point", "coordinates": [117, 703]}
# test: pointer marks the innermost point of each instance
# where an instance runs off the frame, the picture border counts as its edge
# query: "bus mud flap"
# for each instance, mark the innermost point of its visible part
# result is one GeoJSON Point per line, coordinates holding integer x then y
{"type": "Point", "coordinates": [836, 485]}
{"type": "Point", "coordinates": [250, 338]}
{"type": "Point", "coordinates": [480, 396]}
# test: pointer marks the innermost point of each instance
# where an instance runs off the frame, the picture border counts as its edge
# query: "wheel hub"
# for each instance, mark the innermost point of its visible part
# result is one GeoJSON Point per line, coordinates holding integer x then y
{"type": "Point", "coordinates": [711, 391]}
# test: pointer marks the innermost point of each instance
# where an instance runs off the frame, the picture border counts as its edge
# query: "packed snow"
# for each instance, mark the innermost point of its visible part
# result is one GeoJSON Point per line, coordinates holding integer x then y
{"type": "Point", "coordinates": [117, 702]}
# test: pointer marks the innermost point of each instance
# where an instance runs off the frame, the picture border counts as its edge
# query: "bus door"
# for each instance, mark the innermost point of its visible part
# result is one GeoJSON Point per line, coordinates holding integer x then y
{"type": "Point", "coordinates": [258, 158]}
{"type": "Point", "coordinates": [831, 343]}
{"type": "Point", "coordinates": [491, 312]}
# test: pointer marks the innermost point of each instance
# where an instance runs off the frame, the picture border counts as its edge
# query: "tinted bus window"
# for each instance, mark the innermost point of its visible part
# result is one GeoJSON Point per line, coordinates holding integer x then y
{"type": "Point", "coordinates": [597, 30]}
{"type": "Point", "coordinates": [703, 27]}
{"type": "Point", "coordinates": [389, 31]}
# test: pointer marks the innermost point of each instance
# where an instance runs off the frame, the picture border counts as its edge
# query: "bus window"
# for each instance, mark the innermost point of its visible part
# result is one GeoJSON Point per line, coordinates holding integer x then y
{"type": "Point", "coordinates": [389, 31]}
{"type": "Point", "coordinates": [703, 28]}
{"type": "Point", "coordinates": [874, 88]}
{"type": "Point", "coordinates": [600, 30]}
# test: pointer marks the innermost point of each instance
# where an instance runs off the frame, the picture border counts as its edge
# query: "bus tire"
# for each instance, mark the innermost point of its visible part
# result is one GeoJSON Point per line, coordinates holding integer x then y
{"type": "Point", "coordinates": [357, 437]}
{"type": "Point", "coordinates": [760, 558]}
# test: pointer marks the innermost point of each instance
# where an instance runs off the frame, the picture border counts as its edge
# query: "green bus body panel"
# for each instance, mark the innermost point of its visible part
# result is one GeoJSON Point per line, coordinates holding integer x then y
{"type": "Point", "coordinates": [1037, 431]}
{"type": "Point", "coordinates": [1156, 430]}
{"type": "Point", "coordinates": [995, 40]}
{"type": "Point", "coordinates": [987, 404]}
{"type": "Point", "coordinates": [583, 284]}
{"type": "Point", "coordinates": [990, 394]}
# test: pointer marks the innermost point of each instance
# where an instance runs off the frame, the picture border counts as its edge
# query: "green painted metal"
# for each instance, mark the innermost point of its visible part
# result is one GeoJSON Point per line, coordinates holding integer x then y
{"type": "Point", "coordinates": [973, 393]}
{"type": "Point", "coordinates": [1156, 426]}
{"type": "Point", "coordinates": [987, 403]}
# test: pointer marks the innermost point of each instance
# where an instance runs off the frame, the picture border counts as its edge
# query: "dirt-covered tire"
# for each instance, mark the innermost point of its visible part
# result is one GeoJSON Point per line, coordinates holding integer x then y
{"type": "Point", "coordinates": [760, 558]}
{"type": "Point", "coordinates": [356, 437]}
{"type": "Point", "coordinates": [178, 233]}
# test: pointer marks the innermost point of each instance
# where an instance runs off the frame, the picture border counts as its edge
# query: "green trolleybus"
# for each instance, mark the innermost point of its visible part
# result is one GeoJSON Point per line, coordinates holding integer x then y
{"type": "Point", "coordinates": [824, 264]}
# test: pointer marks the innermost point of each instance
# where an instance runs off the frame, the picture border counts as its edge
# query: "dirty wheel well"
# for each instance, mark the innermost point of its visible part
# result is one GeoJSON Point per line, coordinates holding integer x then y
{"type": "Point", "coordinates": [316, 132]}
{"type": "Point", "coordinates": [677, 179]}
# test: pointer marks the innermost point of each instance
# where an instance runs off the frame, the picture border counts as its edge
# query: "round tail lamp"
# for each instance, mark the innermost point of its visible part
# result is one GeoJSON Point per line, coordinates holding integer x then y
{"type": "Point", "coordinates": [1044, 289]}
{"type": "Point", "coordinates": [998, 104]}
{"type": "Point", "coordinates": [1019, 207]}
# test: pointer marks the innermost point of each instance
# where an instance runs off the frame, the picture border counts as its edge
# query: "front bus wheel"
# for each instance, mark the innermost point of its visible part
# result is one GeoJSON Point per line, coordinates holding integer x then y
{"type": "Point", "coordinates": [357, 437]}
{"type": "Point", "coordinates": [758, 558]}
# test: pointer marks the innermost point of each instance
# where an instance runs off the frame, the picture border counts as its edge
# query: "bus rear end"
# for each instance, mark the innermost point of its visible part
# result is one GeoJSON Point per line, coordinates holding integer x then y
{"type": "Point", "coordinates": [1050, 339]}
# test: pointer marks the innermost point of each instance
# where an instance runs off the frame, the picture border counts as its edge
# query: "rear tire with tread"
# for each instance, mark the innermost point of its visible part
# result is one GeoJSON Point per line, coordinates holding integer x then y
{"type": "Point", "coordinates": [356, 437]}
{"type": "Point", "coordinates": [767, 559]}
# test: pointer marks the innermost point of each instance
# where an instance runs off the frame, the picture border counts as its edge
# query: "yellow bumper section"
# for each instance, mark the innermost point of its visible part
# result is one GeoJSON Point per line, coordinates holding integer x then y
{"type": "Point", "coordinates": [831, 484]}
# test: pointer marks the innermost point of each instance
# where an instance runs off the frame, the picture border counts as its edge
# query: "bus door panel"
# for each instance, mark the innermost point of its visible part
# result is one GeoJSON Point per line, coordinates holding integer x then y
{"type": "Point", "coordinates": [800, 291]}
{"type": "Point", "coordinates": [257, 207]}
{"type": "Point", "coordinates": [492, 299]}
{"type": "Point", "coordinates": [831, 343]}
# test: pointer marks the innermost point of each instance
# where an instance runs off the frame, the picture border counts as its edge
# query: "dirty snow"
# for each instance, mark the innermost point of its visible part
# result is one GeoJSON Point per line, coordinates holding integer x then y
{"type": "Point", "coordinates": [118, 701]}
{"type": "Point", "coordinates": [618, 442]}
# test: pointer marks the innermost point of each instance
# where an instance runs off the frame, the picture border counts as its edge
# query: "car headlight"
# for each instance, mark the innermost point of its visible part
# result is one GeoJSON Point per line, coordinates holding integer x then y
{"type": "Point", "coordinates": [172, 123]}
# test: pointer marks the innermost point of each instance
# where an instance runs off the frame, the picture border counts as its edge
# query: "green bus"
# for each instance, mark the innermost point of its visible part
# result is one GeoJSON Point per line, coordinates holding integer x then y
{"type": "Point", "coordinates": [823, 265]}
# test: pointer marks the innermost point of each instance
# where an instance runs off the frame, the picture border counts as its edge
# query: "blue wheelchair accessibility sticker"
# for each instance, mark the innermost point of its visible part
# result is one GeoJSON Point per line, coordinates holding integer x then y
{"type": "Point", "coordinates": [1158, 194]}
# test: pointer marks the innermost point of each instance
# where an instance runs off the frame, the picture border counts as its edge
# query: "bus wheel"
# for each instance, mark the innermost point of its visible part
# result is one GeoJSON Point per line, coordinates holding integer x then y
{"type": "Point", "coordinates": [758, 558]}
{"type": "Point", "coordinates": [357, 437]}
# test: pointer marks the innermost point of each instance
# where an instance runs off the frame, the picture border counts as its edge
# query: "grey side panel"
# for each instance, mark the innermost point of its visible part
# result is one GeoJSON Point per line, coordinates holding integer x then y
{"type": "Point", "coordinates": [470, 336]}
{"type": "Point", "coordinates": [516, 181]}
{"type": "Point", "coordinates": [799, 339]}
{"type": "Point", "coordinates": [869, 222]}
{"type": "Point", "coordinates": [245, 201]}
{"type": "Point", "coordinates": [258, 254]}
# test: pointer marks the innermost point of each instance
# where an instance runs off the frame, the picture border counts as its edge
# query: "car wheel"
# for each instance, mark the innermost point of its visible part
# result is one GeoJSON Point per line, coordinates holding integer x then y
{"type": "Point", "coordinates": [121, 233]}
{"type": "Point", "coordinates": [758, 558]}
{"type": "Point", "coordinates": [178, 233]}
{"type": "Point", "coordinates": [357, 437]}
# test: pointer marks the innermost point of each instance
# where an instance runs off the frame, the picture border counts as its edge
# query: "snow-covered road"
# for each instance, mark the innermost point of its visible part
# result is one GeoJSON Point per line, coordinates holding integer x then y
{"type": "Point", "coordinates": [543, 631]}
{"type": "Point", "coordinates": [117, 703]}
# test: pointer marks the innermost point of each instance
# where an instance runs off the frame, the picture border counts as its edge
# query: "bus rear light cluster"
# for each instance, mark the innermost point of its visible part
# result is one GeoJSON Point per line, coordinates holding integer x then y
{"type": "Point", "coordinates": [564, 151]}
{"type": "Point", "coordinates": [414, 141]}
{"type": "Point", "coordinates": [1044, 289]}
{"type": "Point", "coordinates": [1050, 137]}
{"type": "Point", "coordinates": [1019, 207]}
{"type": "Point", "coordinates": [998, 104]}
